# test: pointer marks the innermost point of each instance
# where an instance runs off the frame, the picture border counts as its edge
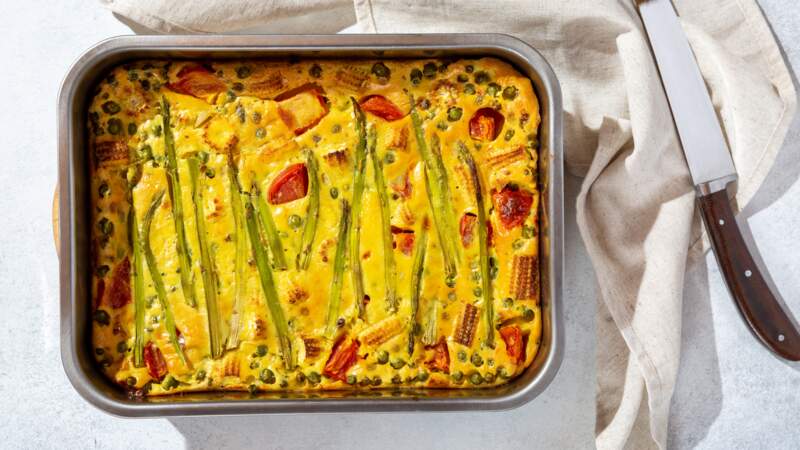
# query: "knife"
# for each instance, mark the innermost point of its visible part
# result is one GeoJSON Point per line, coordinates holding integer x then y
{"type": "Point", "coordinates": [712, 170]}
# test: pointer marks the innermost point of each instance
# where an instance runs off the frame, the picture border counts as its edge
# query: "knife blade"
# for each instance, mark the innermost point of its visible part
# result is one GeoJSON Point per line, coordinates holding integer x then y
{"type": "Point", "coordinates": [712, 171]}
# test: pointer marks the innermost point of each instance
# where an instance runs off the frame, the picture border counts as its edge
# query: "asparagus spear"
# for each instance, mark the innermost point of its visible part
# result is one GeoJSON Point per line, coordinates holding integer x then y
{"type": "Point", "coordinates": [134, 175]}
{"type": "Point", "coordinates": [431, 326]}
{"type": "Point", "coordinates": [438, 195]}
{"type": "Point", "coordinates": [241, 253]}
{"type": "Point", "coordinates": [483, 242]}
{"type": "Point", "coordinates": [269, 228]}
{"type": "Point", "coordinates": [310, 229]}
{"type": "Point", "coordinates": [174, 185]}
{"type": "Point", "coordinates": [207, 266]}
{"type": "Point", "coordinates": [359, 172]}
{"type": "Point", "coordinates": [335, 300]}
{"type": "Point", "coordinates": [158, 282]}
{"type": "Point", "coordinates": [268, 286]}
{"type": "Point", "coordinates": [390, 270]}
{"type": "Point", "coordinates": [420, 247]}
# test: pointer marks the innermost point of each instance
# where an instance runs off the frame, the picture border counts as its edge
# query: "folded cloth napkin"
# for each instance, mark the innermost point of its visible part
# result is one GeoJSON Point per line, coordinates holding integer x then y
{"type": "Point", "coordinates": [636, 210]}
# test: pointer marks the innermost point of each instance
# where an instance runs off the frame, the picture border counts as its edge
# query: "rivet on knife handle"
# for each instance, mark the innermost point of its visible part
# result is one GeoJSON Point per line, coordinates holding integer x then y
{"type": "Point", "coordinates": [756, 301]}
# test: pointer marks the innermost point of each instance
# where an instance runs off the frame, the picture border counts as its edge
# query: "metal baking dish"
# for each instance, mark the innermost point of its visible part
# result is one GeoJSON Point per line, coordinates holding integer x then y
{"type": "Point", "coordinates": [74, 222]}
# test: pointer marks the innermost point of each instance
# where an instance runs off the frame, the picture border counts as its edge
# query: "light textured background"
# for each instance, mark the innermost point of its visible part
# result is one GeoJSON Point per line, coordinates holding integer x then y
{"type": "Point", "coordinates": [731, 393]}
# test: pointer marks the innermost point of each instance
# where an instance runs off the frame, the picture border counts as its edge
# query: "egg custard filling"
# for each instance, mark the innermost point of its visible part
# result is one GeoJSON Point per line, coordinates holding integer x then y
{"type": "Point", "coordinates": [314, 225]}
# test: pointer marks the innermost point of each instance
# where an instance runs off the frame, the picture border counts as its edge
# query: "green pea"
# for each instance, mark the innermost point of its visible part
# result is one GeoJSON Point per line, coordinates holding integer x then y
{"type": "Point", "coordinates": [157, 130]}
{"type": "Point", "coordinates": [131, 128]}
{"type": "Point", "coordinates": [383, 357]}
{"type": "Point", "coordinates": [489, 377]}
{"type": "Point", "coordinates": [508, 302]}
{"type": "Point", "coordinates": [377, 381]}
{"type": "Point", "coordinates": [517, 244]}
{"type": "Point", "coordinates": [422, 376]}
{"type": "Point", "coordinates": [314, 377]}
{"type": "Point", "coordinates": [295, 221]}
{"type": "Point", "coordinates": [201, 375]}
{"type": "Point", "coordinates": [528, 232]}
{"type": "Point", "coordinates": [111, 107]}
{"type": "Point", "coordinates": [528, 314]}
{"type": "Point", "coordinates": [454, 113]}
{"type": "Point", "coordinates": [481, 77]}
{"type": "Point", "coordinates": [442, 126]}
{"type": "Point", "coordinates": [130, 381]}
{"type": "Point", "coordinates": [99, 351]}
{"type": "Point", "coordinates": [493, 272]}
{"type": "Point", "coordinates": [284, 383]}
{"type": "Point", "coordinates": [336, 128]}
{"type": "Point", "coordinates": [365, 382]}
{"type": "Point", "coordinates": [380, 70]}
{"type": "Point", "coordinates": [490, 362]}
{"type": "Point", "coordinates": [334, 193]}
{"type": "Point", "coordinates": [503, 373]}
{"type": "Point", "coordinates": [493, 89]}
{"type": "Point", "coordinates": [351, 380]}
{"type": "Point", "coordinates": [476, 360]}
{"type": "Point", "coordinates": [103, 190]}
{"type": "Point", "coordinates": [429, 70]}
{"type": "Point", "coordinates": [260, 133]}
{"type": "Point", "coordinates": [169, 383]}
{"type": "Point", "coordinates": [261, 350]}
{"type": "Point", "coordinates": [476, 378]}
{"type": "Point", "coordinates": [114, 126]}
{"type": "Point", "coordinates": [477, 292]}
{"type": "Point", "coordinates": [469, 68]}
{"type": "Point", "coordinates": [122, 346]}
{"type": "Point", "coordinates": [145, 84]}
{"type": "Point", "coordinates": [210, 172]}
{"type": "Point", "coordinates": [252, 389]}
{"type": "Point", "coordinates": [510, 92]}
{"type": "Point", "coordinates": [315, 71]}
{"type": "Point", "coordinates": [102, 270]}
{"type": "Point", "coordinates": [230, 96]}
{"type": "Point", "coordinates": [267, 376]}
{"type": "Point", "coordinates": [469, 88]}
{"type": "Point", "coordinates": [397, 379]}
{"type": "Point", "coordinates": [256, 117]}
{"type": "Point", "coordinates": [509, 134]}
{"type": "Point", "coordinates": [243, 72]}
{"type": "Point", "coordinates": [457, 376]}
{"type": "Point", "coordinates": [106, 226]}
{"type": "Point", "coordinates": [254, 365]}
{"type": "Point", "coordinates": [240, 113]}
{"type": "Point", "coordinates": [415, 76]}
{"type": "Point", "coordinates": [300, 377]}
{"type": "Point", "coordinates": [424, 103]}
{"type": "Point", "coordinates": [133, 75]}
{"type": "Point", "coordinates": [388, 158]}
{"type": "Point", "coordinates": [462, 355]}
{"type": "Point", "coordinates": [462, 78]}
{"type": "Point", "coordinates": [397, 363]}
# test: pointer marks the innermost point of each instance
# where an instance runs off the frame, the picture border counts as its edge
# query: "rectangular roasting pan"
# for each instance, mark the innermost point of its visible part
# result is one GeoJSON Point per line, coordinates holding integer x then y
{"type": "Point", "coordinates": [74, 221]}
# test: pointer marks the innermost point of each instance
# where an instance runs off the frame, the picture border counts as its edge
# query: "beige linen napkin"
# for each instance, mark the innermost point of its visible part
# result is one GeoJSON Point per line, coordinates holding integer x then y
{"type": "Point", "coordinates": [636, 209]}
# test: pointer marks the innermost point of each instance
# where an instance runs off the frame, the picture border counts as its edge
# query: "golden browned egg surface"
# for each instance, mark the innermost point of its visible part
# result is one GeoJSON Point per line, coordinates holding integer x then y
{"type": "Point", "coordinates": [314, 225]}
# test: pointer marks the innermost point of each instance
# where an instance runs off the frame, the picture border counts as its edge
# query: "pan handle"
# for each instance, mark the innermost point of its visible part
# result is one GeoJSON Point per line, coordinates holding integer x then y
{"type": "Point", "coordinates": [757, 303]}
{"type": "Point", "coordinates": [56, 221]}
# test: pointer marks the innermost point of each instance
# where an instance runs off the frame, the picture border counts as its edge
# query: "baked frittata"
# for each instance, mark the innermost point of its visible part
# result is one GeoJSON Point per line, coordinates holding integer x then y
{"type": "Point", "coordinates": [314, 225]}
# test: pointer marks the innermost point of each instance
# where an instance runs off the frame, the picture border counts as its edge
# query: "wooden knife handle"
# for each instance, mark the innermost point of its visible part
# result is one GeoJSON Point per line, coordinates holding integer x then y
{"type": "Point", "coordinates": [756, 301]}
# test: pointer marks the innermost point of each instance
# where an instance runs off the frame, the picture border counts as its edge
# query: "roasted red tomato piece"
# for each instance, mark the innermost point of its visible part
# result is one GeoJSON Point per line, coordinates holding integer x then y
{"type": "Point", "coordinates": [120, 293]}
{"type": "Point", "coordinates": [513, 206]}
{"type": "Point", "coordinates": [289, 185]}
{"type": "Point", "coordinates": [302, 108]}
{"type": "Point", "coordinates": [440, 362]}
{"type": "Point", "coordinates": [403, 239]}
{"type": "Point", "coordinates": [486, 124]}
{"type": "Point", "coordinates": [467, 228]}
{"type": "Point", "coordinates": [512, 336]}
{"type": "Point", "coordinates": [154, 360]}
{"type": "Point", "coordinates": [343, 356]}
{"type": "Point", "coordinates": [197, 81]}
{"type": "Point", "coordinates": [382, 107]}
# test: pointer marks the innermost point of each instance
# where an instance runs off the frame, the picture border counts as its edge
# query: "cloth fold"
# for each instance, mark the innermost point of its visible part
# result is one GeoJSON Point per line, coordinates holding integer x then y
{"type": "Point", "coordinates": [635, 211]}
